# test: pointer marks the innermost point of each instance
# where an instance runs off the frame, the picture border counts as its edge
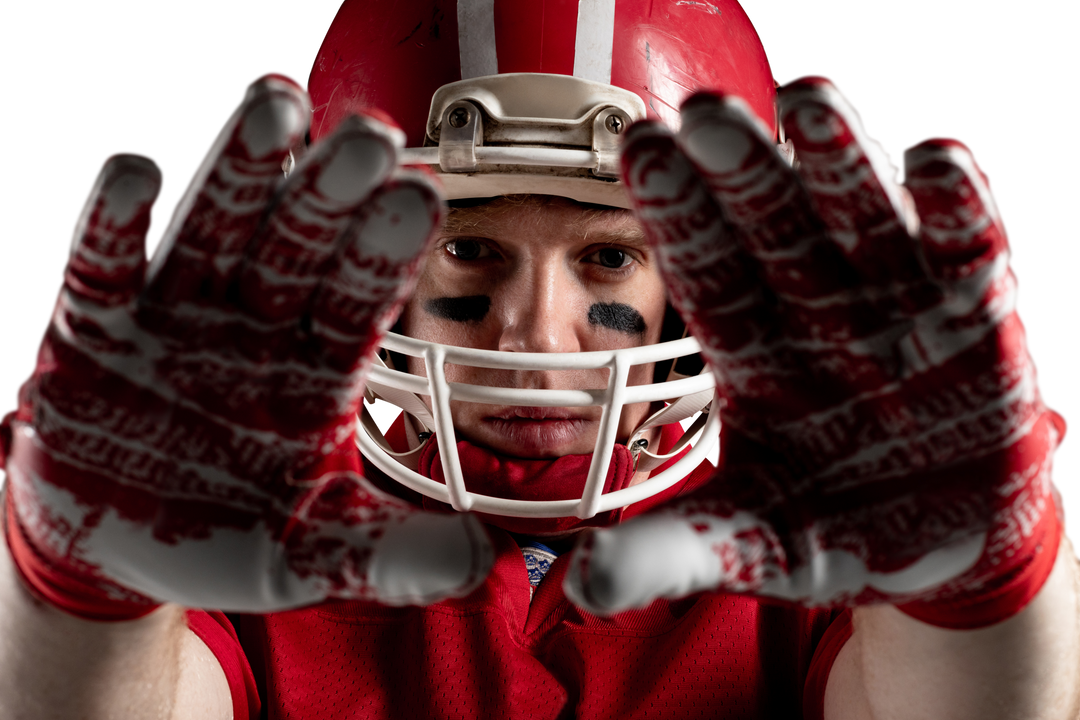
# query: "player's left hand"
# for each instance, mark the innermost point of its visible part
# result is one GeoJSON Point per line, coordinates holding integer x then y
{"type": "Point", "coordinates": [884, 438]}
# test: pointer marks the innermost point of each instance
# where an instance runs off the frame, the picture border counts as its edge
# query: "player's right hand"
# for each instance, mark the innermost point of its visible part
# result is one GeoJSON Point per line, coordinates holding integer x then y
{"type": "Point", "coordinates": [182, 437]}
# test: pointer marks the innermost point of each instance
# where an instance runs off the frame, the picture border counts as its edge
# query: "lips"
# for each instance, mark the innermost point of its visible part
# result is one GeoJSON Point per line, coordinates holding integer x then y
{"type": "Point", "coordinates": [536, 432]}
{"type": "Point", "coordinates": [537, 413]}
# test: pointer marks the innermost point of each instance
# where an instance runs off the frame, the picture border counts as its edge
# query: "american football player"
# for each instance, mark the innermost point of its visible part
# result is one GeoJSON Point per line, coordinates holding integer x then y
{"type": "Point", "coordinates": [579, 245]}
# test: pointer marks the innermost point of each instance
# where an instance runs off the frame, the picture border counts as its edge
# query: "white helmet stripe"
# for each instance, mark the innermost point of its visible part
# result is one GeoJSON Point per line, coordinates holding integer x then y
{"type": "Point", "coordinates": [595, 39]}
{"type": "Point", "coordinates": [476, 38]}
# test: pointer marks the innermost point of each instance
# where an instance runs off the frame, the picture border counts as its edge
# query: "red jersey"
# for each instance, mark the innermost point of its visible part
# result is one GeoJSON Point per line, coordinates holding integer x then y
{"type": "Point", "coordinates": [494, 654]}
{"type": "Point", "coordinates": [498, 654]}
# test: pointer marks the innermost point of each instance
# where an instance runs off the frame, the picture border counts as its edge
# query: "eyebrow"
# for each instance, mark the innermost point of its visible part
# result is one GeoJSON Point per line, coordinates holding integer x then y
{"type": "Point", "coordinates": [625, 235]}
{"type": "Point", "coordinates": [618, 232]}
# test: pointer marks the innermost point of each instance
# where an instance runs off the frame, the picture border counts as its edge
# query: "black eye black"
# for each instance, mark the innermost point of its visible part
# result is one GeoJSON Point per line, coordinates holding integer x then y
{"type": "Point", "coordinates": [464, 249]}
{"type": "Point", "coordinates": [611, 258]}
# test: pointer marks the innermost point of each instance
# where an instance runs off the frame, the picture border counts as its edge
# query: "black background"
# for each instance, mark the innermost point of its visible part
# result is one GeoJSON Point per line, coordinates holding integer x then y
{"type": "Point", "coordinates": [131, 75]}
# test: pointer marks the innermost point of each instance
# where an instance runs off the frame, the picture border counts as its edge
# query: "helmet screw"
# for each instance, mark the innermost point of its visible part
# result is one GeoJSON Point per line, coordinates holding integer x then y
{"type": "Point", "coordinates": [423, 436]}
{"type": "Point", "coordinates": [641, 444]}
{"type": "Point", "coordinates": [459, 117]}
{"type": "Point", "coordinates": [614, 124]}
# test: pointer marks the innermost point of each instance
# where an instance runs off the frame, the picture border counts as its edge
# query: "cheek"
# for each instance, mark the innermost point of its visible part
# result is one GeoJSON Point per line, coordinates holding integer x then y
{"type": "Point", "coordinates": [655, 301]}
{"type": "Point", "coordinates": [648, 299]}
{"type": "Point", "coordinates": [451, 306]}
{"type": "Point", "coordinates": [438, 312]}
{"type": "Point", "coordinates": [653, 306]}
{"type": "Point", "coordinates": [448, 321]}
{"type": "Point", "coordinates": [408, 321]}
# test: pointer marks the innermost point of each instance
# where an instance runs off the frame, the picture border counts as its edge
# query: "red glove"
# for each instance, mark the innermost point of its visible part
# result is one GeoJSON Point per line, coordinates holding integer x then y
{"type": "Point", "coordinates": [884, 438]}
{"type": "Point", "coordinates": [187, 432]}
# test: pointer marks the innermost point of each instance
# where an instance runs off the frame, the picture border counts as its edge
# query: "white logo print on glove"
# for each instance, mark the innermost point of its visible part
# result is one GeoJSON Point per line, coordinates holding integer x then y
{"type": "Point", "coordinates": [884, 438]}
{"type": "Point", "coordinates": [185, 435]}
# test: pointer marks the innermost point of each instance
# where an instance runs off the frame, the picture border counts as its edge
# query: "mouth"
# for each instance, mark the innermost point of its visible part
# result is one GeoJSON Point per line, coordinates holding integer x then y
{"type": "Point", "coordinates": [538, 414]}
{"type": "Point", "coordinates": [537, 432]}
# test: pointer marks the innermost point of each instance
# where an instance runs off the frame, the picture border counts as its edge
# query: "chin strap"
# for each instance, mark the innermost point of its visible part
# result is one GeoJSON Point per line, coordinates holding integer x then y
{"type": "Point", "coordinates": [418, 418]}
{"type": "Point", "coordinates": [683, 408]}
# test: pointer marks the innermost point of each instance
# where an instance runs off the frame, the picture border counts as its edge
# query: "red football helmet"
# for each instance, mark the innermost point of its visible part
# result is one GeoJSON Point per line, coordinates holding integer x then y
{"type": "Point", "coordinates": [552, 83]}
{"type": "Point", "coordinates": [511, 96]}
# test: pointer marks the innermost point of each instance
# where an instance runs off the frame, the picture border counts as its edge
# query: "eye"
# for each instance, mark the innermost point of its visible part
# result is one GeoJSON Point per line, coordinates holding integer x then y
{"type": "Point", "coordinates": [611, 257]}
{"type": "Point", "coordinates": [467, 249]}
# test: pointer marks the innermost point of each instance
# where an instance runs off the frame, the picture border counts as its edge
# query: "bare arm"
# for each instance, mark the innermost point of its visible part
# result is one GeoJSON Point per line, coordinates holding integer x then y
{"type": "Point", "coordinates": [54, 665]}
{"type": "Point", "coordinates": [1027, 667]}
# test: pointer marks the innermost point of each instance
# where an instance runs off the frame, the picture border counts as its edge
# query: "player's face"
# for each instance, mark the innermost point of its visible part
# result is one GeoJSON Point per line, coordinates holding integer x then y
{"type": "Point", "coordinates": [540, 275]}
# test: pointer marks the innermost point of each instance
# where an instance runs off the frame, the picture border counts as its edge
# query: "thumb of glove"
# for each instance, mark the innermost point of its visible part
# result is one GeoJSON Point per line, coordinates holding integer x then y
{"type": "Point", "coordinates": [428, 557]}
{"type": "Point", "coordinates": [637, 562]}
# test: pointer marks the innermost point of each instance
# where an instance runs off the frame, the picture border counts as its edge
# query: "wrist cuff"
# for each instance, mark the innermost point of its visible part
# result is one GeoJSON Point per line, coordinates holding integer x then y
{"type": "Point", "coordinates": [1007, 593]}
{"type": "Point", "coordinates": [89, 598]}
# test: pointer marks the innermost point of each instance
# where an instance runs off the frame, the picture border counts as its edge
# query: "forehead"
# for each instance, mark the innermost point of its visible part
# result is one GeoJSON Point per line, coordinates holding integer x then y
{"type": "Point", "coordinates": [553, 217]}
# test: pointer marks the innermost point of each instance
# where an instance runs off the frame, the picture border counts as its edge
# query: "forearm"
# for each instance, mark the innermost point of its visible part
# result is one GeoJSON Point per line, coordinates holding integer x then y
{"type": "Point", "coordinates": [54, 665]}
{"type": "Point", "coordinates": [1027, 667]}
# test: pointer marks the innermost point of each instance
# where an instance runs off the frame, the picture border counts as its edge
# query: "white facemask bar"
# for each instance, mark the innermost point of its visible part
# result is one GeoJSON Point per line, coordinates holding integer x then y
{"type": "Point", "coordinates": [611, 399]}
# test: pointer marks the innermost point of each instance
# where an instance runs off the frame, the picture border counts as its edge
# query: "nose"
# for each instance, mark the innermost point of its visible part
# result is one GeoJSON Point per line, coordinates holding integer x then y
{"type": "Point", "coordinates": [539, 310]}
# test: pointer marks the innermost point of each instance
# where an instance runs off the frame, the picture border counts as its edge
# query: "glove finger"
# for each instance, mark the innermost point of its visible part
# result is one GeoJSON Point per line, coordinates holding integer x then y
{"type": "Point", "coordinates": [344, 539]}
{"type": "Point", "coordinates": [711, 280]}
{"type": "Point", "coordinates": [819, 291]}
{"type": "Point", "coordinates": [229, 195]}
{"type": "Point", "coordinates": [358, 542]}
{"type": "Point", "coordinates": [762, 196]}
{"type": "Point", "coordinates": [103, 272]}
{"type": "Point", "coordinates": [284, 264]}
{"type": "Point", "coordinates": [820, 305]}
{"type": "Point", "coordinates": [967, 251]}
{"type": "Point", "coordinates": [360, 298]}
{"type": "Point", "coordinates": [708, 545]}
{"type": "Point", "coordinates": [852, 185]}
{"type": "Point", "coordinates": [960, 229]}
{"type": "Point", "coordinates": [429, 557]}
{"type": "Point", "coordinates": [108, 255]}
{"type": "Point", "coordinates": [630, 565]}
